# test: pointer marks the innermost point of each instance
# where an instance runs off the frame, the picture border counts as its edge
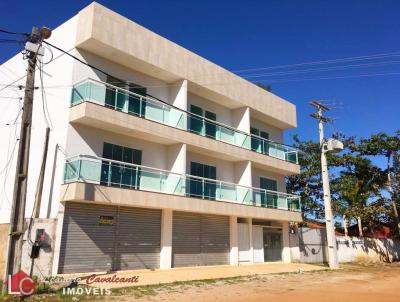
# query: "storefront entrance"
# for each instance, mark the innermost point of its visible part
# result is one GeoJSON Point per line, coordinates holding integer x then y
{"type": "Point", "coordinates": [272, 239]}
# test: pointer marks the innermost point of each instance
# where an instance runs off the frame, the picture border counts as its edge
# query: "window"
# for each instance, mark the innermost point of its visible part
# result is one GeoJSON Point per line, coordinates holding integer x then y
{"type": "Point", "coordinates": [199, 125]}
{"type": "Point", "coordinates": [116, 174]}
{"type": "Point", "coordinates": [258, 143]}
{"type": "Point", "coordinates": [268, 199]}
{"type": "Point", "coordinates": [204, 187]}
{"type": "Point", "coordinates": [123, 101]}
{"type": "Point", "coordinates": [211, 128]}
{"type": "Point", "coordinates": [196, 122]}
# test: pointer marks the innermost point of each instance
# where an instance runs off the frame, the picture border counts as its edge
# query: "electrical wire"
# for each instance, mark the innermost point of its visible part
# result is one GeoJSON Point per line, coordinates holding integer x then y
{"type": "Point", "coordinates": [325, 69]}
{"type": "Point", "coordinates": [13, 33]}
{"type": "Point", "coordinates": [46, 113]}
{"type": "Point", "coordinates": [13, 82]}
{"type": "Point", "coordinates": [331, 61]}
{"type": "Point", "coordinates": [79, 60]}
{"type": "Point", "coordinates": [258, 82]}
{"type": "Point", "coordinates": [244, 81]}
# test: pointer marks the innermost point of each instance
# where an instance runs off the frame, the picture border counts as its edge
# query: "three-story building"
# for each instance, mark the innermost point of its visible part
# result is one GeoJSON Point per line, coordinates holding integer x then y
{"type": "Point", "coordinates": [158, 157]}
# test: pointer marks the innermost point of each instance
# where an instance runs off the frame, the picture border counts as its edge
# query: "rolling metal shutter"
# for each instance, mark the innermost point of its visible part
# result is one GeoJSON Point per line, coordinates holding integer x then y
{"type": "Point", "coordinates": [139, 235]}
{"type": "Point", "coordinates": [215, 239]}
{"type": "Point", "coordinates": [87, 246]}
{"type": "Point", "coordinates": [130, 239]}
{"type": "Point", "coordinates": [200, 239]}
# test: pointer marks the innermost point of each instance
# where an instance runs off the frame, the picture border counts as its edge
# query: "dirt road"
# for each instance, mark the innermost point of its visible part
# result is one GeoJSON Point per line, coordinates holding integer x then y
{"type": "Point", "coordinates": [380, 283]}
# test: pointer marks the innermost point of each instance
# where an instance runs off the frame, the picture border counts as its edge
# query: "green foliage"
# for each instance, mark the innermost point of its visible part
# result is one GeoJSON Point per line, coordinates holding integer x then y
{"type": "Point", "coordinates": [308, 183]}
{"type": "Point", "coordinates": [358, 187]}
{"type": "Point", "coordinates": [357, 191]}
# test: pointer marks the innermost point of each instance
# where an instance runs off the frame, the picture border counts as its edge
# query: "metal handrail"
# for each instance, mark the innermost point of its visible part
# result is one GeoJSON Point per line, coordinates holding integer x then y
{"type": "Point", "coordinates": [184, 176]}
{"type": "Point", "coordinates": [141, 97]}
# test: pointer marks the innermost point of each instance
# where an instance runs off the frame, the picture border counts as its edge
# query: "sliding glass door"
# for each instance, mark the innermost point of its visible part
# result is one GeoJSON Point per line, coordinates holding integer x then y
{"type": "Point", "coordinates": [204, 185]}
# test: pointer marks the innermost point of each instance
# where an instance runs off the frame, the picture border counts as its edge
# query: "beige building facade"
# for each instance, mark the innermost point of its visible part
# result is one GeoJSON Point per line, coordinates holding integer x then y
{"type": "Point", "coordinates": [160, 158]}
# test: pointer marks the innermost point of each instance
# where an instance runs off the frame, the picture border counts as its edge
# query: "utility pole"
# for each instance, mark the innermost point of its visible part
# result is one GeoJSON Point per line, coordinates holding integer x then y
{"type": "Point", "coordinates": [38, 197]}
{"type": "Point", "coordinates": [330, 230]}
{"type": "Point", "coordinates": [18, 225]}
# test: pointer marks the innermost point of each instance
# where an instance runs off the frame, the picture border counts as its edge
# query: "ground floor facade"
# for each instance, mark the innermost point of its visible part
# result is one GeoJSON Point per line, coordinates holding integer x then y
{"type": "Point", "coordinates": [98, 237]}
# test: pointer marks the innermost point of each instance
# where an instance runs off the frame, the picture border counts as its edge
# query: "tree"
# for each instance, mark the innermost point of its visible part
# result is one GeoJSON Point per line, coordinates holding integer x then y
{"type": "Point", "coordinates": [265, 86]}
{"type": "Point", "coordinates": [358, 191]}
{"type": "Point", "coordinates": [387, 146]}
{"type": "Point", "coordinates": [308, 184]}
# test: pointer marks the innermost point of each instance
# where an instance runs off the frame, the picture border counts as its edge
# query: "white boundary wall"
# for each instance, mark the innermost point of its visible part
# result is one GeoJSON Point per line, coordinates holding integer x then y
{"type": "Point", "coordinates": [309, 245]}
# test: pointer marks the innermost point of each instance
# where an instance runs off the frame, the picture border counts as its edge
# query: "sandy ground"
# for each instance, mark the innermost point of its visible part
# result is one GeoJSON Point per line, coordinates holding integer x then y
{"type": "Point", "coordinates": [180, 274]}
{"type": "Point", "coordinates": [379, 283]}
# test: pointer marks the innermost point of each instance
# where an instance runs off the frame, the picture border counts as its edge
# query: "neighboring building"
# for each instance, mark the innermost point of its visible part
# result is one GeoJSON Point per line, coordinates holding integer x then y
{"type": "Point", "coordinates": [376, 229]}
{"type": "Point", "coordinates": [168, 161]}
{"type": "Point", "coordinates": [315, 224]}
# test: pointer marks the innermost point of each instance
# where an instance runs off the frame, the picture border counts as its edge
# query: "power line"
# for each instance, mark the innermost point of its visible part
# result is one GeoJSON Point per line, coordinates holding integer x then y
{"type": "Point", "coordinates": [46, 113]}
{"type": "Point", "coordinates": [331, 61]}
{"type": "Point", "coordinates": [266, 81]}
{"type": "Point", "coordinates": [79, 60]}
{"type": "Point", "coordinates": [324, 69]}
{"type": "Point", "coordinates": [13, 33]}
{"type": "Point", "coordinates": [262, 81]}
{"type": "Point", "coordinates": [13, 82]}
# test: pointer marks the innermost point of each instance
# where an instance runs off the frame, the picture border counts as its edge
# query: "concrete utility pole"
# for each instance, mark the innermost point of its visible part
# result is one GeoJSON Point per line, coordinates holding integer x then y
{"type": "Point", "coordinates": [38, 197]}
{"type": "Point", "coordinates": [330, 230]}
{"type": "Point", "coordinates": [18, 224]}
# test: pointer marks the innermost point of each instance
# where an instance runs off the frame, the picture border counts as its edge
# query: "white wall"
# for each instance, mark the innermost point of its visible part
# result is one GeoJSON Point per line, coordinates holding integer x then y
{"type": "Point", "coordinates": [57, 78]}
{"type": "Point", "coordinates": [155, 87]}
{"type": "Point", "coordinates": [43, 264]}
{"type": "Point", "coordinates": [225, 169]}
{"type": "Point", "coordinates": [275, 134]}
{"type": "Point", "coordinates": [89, 141]}
{"type": "Point", "coordinates": [224, 114]}
{"type": "Point", "coordinates": [309, 245]}
{"type": "Point", "coordinates": [257, 173]}
{"type": "Point", "coordinates": [355, 248]}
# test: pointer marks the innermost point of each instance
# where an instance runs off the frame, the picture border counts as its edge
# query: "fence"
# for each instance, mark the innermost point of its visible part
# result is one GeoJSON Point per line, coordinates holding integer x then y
{"type": "Point", "coordinates": [309, 245]}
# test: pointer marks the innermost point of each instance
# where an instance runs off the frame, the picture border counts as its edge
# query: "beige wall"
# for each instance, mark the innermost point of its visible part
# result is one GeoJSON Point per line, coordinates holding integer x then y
{"type": "Point", "coordinates": [116, 196]}
{"type": "Point", "coordinates": [110, 120]}
{"type": "Point", "coordinates": [112, 36]}
{"type": "Point", "coordinates": [4, 230]}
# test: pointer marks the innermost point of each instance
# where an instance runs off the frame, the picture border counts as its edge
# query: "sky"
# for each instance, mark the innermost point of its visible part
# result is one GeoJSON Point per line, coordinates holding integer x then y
{"type": "Point", "coordinates": [364, 94]}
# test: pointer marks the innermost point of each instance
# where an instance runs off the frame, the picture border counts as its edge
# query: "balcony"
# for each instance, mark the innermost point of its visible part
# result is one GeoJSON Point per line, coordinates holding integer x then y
{"type": "Point", "coordinates": [105, 172]}
{"type": "Point", "coordinates": [153, 109]}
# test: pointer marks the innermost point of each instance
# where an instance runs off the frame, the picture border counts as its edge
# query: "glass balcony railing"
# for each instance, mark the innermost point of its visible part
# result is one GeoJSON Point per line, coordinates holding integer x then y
{"type": "Point", "coordinates": [150, 108]}
{"type": "Point", "coordinates": [125, 101]}
{"type": "Point", "coordinates": [107, 172]}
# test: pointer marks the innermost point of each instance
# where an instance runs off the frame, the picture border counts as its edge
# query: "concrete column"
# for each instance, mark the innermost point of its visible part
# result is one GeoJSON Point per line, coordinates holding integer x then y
{"type": "Point", "coordinates": [241, 119]}
{"type": "Point", "coordinates": [233, 234]}
{"type": "Point", "coordinates": [243, 174]}
{"type": "Point", "coordinates": [176, 158]}
{"type": "Point", "coordinates": [166, 239]}
{"type": "Point", "coordinates": [176, 163]}
{"type": "Point", "coordinates": [178, 97]}
{"type": "Point", "coordinates": [286, 256]}
{"type": "Point", "coordinates": [57, 243]}
{"type": "Point", "coordinates": [251, 249]}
